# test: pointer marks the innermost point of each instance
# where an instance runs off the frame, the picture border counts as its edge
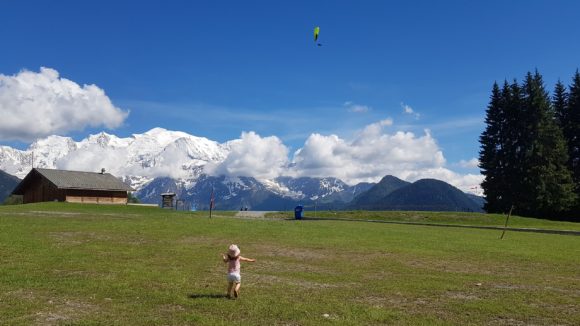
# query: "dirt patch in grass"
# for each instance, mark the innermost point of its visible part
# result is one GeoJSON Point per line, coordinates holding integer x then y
{"type": "Point", "coordinates": [299, 254]}
{"type": "Point", "coordinates": [71, 214]}
{"type": "Point", "coordinates": [457, 295]}
{"type": "Point", "coordinates": [511, 321]}
{"type": "Point", "coordinates": [202, 240]}
{"type": "Point", "coordinates": [76, 237]}
{"type": "Point", "coordinates": [73, 238]}
{"type": "Point", "coordinates": [170, 308]}
{"type": "Point", "coordinates": [55, 311]}
{"type": "Point", "coordinates": [411, 305]}
{"type": "Point", "coordinates": [574, 292]}
{"type": "Point", "coordinates": [66, 312]}
{"type": "Point", "coordinates": [64, 214]}
{"type": "Point", "coordinates": [42, 213]}
{"type": "Point", "coordinates": [22, 295]}
{"type": "Point", "coordinates": [263, 280]}
{"type": "Point", "coordinates": [459, 267]}
{"type": "Point", "coordinates": [277, 267]}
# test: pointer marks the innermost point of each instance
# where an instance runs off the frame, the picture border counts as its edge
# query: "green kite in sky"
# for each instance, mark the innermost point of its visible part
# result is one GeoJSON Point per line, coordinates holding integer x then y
{"type": "Point", "coordinates": [316, 32]}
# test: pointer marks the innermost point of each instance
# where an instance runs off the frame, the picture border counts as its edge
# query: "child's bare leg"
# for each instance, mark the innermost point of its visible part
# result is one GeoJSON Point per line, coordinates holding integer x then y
{"type": "Point", "coordinates": [230, 286]}
{"type": "Point", "coordinates": [237, 290]}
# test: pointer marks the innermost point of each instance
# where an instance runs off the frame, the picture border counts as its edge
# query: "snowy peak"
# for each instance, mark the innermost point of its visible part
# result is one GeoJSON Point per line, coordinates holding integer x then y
{"type": "Point", "coordinates": [163, 137]}
{"type": "Point", "coordinates": [155, 153]}
{"type": "Point", "coordinates": [313, 188]}
{"type": "Point", "coordinates": [53, 143]}
{"type": "Point", "coordinates": [104, 140]}
{"type": "Point", "coordinates": [196, 148]}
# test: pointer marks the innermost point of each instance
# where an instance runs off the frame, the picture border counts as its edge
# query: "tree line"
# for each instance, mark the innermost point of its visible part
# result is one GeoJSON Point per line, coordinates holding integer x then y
{"type": "Point", "coordinates": [530, 149]}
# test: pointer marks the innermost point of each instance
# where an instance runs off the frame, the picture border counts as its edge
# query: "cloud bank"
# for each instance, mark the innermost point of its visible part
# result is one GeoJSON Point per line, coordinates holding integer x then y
{"type": "Point", "coordinates": [371, 155]}
{"type": "Point", "coordinates": [471, 164]}
{"type": "Point", "coordinates": [34, 105]}
{"type": "Point", "coordinates": [252, 155]}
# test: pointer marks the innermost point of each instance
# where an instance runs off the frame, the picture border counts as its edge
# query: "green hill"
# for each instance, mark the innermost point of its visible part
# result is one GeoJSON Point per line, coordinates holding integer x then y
{"type": "Point", "coordinates": [370, 198]}
{"type": "Point", "coordinates": [7, 183]}
{"type": "Point", "coordinates": [429, 195]}
{"type": "Point", "coordinates": [423, 195]}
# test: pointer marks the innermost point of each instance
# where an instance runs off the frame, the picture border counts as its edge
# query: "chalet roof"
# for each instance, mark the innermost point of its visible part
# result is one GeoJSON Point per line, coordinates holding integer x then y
{"type": "Point", "coordinates": [75, 180]}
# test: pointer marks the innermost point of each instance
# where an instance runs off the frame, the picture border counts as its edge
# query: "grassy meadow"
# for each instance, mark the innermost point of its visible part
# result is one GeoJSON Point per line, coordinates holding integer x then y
{"type": "Point", "coordinates": [65, 264]}
{"type": "Point", "coordinates": [449, 218]}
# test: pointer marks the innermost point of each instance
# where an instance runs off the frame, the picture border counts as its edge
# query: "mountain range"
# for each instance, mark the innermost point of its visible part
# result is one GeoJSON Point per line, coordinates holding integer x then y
{"type": "Point", "coordinates": [160, 161]}
{"type": "Point", "coordinates": [392, 193]}
{"type": "Point", "coordinates": [7, 184]}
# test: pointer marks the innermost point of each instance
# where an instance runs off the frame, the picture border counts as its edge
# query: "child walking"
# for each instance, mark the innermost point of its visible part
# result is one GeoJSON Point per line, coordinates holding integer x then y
{"type": "Point", "coordinates": [233, 259]}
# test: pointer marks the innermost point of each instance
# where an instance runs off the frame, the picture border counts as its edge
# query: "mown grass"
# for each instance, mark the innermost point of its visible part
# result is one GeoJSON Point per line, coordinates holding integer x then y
{"type": "Point", "coordinates": [456, 218]}
{"type": "Point", "coordinates": [122, 265]}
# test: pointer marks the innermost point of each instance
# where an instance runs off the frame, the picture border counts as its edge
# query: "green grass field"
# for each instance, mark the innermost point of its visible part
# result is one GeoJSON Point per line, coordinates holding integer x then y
{"type": "Point", "coordinates": [64, 264]}
{"type": "Point", "coordinates": [454, 218]}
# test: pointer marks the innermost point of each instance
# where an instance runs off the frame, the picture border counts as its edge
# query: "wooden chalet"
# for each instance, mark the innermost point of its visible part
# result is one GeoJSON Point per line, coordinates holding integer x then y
{"type": "Point", "coordinates": [41, 185]}
{"type": "Point", "coordinates": [167, 200]}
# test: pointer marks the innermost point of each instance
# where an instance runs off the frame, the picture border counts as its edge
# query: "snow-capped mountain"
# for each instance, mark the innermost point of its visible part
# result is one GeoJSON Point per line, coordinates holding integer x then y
{"type": "Point", "coordinates": [232, 193]}
{"type": "Point", "coordinates": [161, 160]}
{"type": "Point", "coordinates": [137, 159]}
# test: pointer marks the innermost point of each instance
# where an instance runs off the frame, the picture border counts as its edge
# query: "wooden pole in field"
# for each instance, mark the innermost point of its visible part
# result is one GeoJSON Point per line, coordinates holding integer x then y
{"type": "Point", "coordinates": [506, 222]}
{"type": "Point", "coordinates": [211, 203]}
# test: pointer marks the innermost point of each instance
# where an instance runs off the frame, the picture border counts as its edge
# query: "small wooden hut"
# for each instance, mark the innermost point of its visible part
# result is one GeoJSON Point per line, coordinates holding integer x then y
{"type": "Point", "coordinates": [41, 185]}
{"type": "Point", "coordinates": [167, 200]}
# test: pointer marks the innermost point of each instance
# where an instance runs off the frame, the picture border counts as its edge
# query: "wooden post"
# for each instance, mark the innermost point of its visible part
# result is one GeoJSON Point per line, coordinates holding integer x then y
{"type": "Point", "coordinates": [211, 203]}
{"type": "Point", "coordinates": [506, 222]}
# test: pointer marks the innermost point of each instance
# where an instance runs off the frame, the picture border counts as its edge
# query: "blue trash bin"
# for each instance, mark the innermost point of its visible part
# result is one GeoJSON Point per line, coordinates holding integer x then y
{"type": "Point", "coordinates": [298, 212]}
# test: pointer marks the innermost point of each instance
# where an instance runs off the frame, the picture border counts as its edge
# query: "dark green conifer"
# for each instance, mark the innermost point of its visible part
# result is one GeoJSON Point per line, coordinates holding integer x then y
{"type": "Point", "coordinates": [490, 153]}
{"type": "Point", "coordinates": [571, 129]}
{"type": "Point", "coordinates": [560, 101]}
{"type": "Point", "coordinates": [547, 186]}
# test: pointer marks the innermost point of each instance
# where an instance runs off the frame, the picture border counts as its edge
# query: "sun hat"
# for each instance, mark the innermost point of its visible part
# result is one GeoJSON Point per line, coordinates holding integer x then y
{"type": "Point", "coordinates": [233, 251]}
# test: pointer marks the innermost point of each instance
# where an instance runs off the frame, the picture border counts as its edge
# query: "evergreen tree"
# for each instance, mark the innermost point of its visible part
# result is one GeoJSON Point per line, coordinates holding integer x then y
{"type": "Point", "coordinates": [490, 153]}
{"type": "Point", "coordinates": [546, 184]}
{"type": "Point", "coordinates": [514, 141]}
{"type": "Point", "coordinates": [132, 199]}
{"type": "Point", "coordinates": [559, 101]}
{"type": "Point", "coordinates": [572, 134]}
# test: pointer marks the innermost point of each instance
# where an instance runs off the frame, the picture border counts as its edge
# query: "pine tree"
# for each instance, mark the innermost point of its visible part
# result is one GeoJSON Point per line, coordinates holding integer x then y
{"type": "Point", "coordinates": [547, 186]}
{"type": "Point", "coordinates": [559, 101]}
{"type": "Point", "coordinates": [572, 134]}
{"type": "Point", "coordinates": [490, 153]}
{"type": "Point", "coordinates": [514, 141]}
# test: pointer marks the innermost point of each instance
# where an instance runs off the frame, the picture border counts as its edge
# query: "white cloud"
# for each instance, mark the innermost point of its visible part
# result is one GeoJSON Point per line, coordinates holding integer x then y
{"type": "Point", "coordinates": [471, 164]}
{"type": "Point", "coordinates": [370, 156]}
{"type": "Point", "coordinates": [253, 156]}
{"type": "Point", "coordinates": [375, 153]}
{"type": "Point", "coordinates": [34, 105]}
{"type": "Point", "coordinates": [356, 108]}
{"type": "Point", "coordinates": [465, 182]}
{"type": "Point", "coordinates": [93, 158]}
{"type": "Point", "coordinates": [375, 129]}
{"type": "Point", "coordinates": [409, 110]}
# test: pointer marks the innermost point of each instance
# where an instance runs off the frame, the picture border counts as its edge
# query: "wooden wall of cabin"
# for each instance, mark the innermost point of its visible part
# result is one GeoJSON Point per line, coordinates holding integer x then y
{"type": "Point", "coordinates": [95, 196]}
{"type": "Point", "coordinates": [41, 190]}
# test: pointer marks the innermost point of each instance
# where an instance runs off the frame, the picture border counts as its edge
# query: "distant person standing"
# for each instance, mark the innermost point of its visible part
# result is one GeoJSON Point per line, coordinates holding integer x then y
{"type": "Point", "coordinates": [233, 259]}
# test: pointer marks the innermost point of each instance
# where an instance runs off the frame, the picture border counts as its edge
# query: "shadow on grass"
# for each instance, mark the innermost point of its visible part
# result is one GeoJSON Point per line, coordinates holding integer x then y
{"type": "Point", "coordinates": [206, 296]}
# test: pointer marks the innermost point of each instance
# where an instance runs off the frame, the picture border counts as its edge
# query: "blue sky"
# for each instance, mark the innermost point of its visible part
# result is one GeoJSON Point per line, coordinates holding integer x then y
{"type": "Point", "coordinates": [218, 68]}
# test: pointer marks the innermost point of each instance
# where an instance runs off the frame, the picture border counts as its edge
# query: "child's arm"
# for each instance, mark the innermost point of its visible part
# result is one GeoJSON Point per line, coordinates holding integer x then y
{"type": "Point", "coordinates": [224, 258]}
{"type": "Point", "coordinates": [247, 259]}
